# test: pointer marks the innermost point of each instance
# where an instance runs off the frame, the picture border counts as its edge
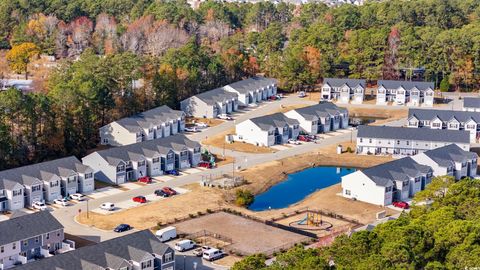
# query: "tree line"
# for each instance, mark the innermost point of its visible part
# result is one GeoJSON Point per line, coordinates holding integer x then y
{"type": "Point", "coordinates": [176, 51]}
{"type": "Point", "coordinates": [443, 235]}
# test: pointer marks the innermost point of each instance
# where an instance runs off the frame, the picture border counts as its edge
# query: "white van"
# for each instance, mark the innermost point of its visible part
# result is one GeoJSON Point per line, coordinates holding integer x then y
{"type": "Point", "coordinates": [107, 206]}
{"type": "Point", "coordinates": [184, 245]}
{"type": "Point", "coordinates": [166, 234]}
{"type": "Point", "coordinates": [212, 254]}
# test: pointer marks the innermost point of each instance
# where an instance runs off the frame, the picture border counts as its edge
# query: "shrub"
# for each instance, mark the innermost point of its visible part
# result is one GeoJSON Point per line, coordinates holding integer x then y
{"type": "Point", "coordinates": [191, 215]}
{"type": "Point", "coordinates": [209, 210]}
{"type": "Point", "coordinates": [244, 198]}
{"type": "Point", "coordinates": [349, 150]}
{"type": "Point", "coordinates": [444, 85]}
{"type": "Point", "coordinates": [199, 213]}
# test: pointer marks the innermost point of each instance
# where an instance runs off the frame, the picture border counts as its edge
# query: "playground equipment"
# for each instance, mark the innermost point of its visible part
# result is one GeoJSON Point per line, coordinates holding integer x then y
{"type": "Point", "coordinates": [311, 222]}
{"type": "Point", "coordinates": [311, 219]}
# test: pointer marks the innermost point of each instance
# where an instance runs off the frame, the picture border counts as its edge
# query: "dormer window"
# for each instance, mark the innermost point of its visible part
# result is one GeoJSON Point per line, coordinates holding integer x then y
{"type": "Point", "coordinates": [120, 168]}
{"type": "Point", "coordinates": [147, 264]}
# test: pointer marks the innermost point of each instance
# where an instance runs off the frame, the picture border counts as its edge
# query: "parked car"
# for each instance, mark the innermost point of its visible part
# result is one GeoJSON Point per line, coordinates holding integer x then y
{"type": "Point", "coordinates": [169, 191]}
{"type": "Point", "coordinates": [199, 251]}
{"type": "Point", "coordinates": [39, 206]}
{"type": "Point", "coordinates": [173, 172]}
{"type": "Point", "coordinates": [166, 234]}
{"type": "Point", "coordinates": [107, 206]}
{"type": "Point", "coordinates": [78, 197]}
{"type": "Point", "coordinates": [122, 228]}
{"type": "Point", "coordinates": [273, 98]}
{"type": "Point", "coordinates": [185, 245]}
{"type": "Point", "coordinates": [162, 193]}
{"type": "Point", "coordinates": [140, 199]}
{"type": "Point", "coordinates": [301, 94]}
{"type": "Point", "coordinates": [400, 204]}
{"type": "Point", "coordinates": [205, 164]}
{"type": "Point", "coordinates": [279, 96]}
{"type": "Point", "coordinates": [291, 141]}
{"type": "Point", "coordinates": [213, 254]}
{"type": "Point", "coordinates": [191, 129]}
{"type": "Point", "coordinates": [145, 179]}
{"type": "Point", "coordinates": [201, 125]}
{"type": "Point", "coordinates": [62, 202]}
{"type": "Point", "coordinates": [224, 116]}
{"type": "Point", "coordinates": [303, 138]}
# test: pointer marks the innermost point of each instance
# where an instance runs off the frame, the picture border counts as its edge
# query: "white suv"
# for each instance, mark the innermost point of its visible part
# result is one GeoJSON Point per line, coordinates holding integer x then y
{"type": "Point", "coordinates": [212, 254]}
{"type": "Point", "coordinates": [39, 206]}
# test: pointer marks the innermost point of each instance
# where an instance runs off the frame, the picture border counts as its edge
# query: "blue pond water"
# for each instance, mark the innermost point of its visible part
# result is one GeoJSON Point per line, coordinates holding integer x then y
{"type": "Point", "coordinates": [298, 186]}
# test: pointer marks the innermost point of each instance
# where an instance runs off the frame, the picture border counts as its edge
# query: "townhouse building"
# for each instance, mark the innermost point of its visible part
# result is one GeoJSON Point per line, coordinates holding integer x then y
{"type": "Point", "coordinates": [210, 104]}
{"type": "Point", "coordinates": [444, 119]}
{"type": "Point", "coordinates": [408, 93]}
{"type": "Point", "coordinates": [344, 90]}
{"type": "Point", "coordinates": [471, 104]}
{"type": "Point", "coordinates": [46, 181]}
{"type": "Point", "coordinates": [136, 251]}
{"type": "Point", "coordinates": [156, 123]}
{"type": "Point", "coordinates": [149, 158]}
{"type": "Point", "coordinates": [267, 130]}
{"type": "Point", "coordinates": [320, 118]}
{"type": "Point", "coordinates": [30, 237]}
{"type": "Point", "coordinates": [450, 160]}
{"type": "Point", "coordinates": [403, 141]}
{"type": "Point", "coordinates": [397, 180]}
{"type": "Point", "coordinates": [253, 90]}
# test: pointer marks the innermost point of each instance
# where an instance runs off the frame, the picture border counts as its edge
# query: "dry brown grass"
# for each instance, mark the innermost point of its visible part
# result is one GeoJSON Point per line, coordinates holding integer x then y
{"type": "Point", "coordinates": [219, 141]}
{"type": "Point", "coordinates": [388, 114]}
{"type": "Point", "coordinates": [209, 121]}
{"type": "Point", "coordinates": [285, 109]}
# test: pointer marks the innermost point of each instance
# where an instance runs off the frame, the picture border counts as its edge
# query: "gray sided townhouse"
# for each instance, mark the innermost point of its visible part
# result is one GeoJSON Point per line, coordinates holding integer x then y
{"type": "Point", "coordinates": [471, 104]}
{"type": "Point", "coordinates": [29, 237]}
{"type": "Point", "coordinates": [397, 180]}
{"type": "Point", "coordinates": [210, 104]}
{"type": "Point", "coordinates": [45, 181]}
{"type": "Point", "coordinates": [405, 93]}
{"type": "Point", "coordinates": [136, 251]}
{"type": "Point", "coordinates": [405, 141]}
{"type": "Point", "coordinates": [268, 130]}
{"type": "Point", "coordinates": [149, 158]}
{"type": "Point", "coordinates": [450, 160]}
{"type": "Point", "coordinates": [156, 123]}
{"type": "Point", "coordinates": [444, 119]}
{"type": "Point", "coordinates": [320, 118]}
{"type": "Point", "coordinates": [253, 90]}
{"type": "Point", "coordinates": [344, 90]}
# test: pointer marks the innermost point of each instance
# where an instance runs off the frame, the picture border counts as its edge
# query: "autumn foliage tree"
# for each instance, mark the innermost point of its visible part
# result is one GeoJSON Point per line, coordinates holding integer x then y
{"type": "Point", "coordinates": [20, 56]}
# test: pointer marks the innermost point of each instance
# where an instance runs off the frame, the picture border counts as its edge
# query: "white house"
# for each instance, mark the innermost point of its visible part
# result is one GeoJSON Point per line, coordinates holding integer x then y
{"type": "Point", "coordinates": [320, 118]}
{"type": "Point", "coordinates": [156, 123]}
{"type": "Point", "coordinates": [405, 93]}
{"type": "Point", "coordinates": [253, 90]}
{"type": "Point", "coordinates": [397, 180]}
{"type": "Point", "coordinates": [450, 160]}
{"type": "Point", "coordinates": [149, 158]}
{"type": "Point", "coordinates": [407, 141]}
{"type": "Point", "coordinates": [267, 130]}
{"type": "Point", "coordinates": [471, 104]}
{"type": "Point", "coordinates": [445, 119]}
{"type": "Point", "coordinates": [210, 104]}
{"type": "Point", "coordinates": [344, 90]}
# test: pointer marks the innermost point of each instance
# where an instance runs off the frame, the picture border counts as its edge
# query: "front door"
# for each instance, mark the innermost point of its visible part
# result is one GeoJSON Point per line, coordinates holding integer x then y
{"type": "Point", "coordinates": [130, 175]}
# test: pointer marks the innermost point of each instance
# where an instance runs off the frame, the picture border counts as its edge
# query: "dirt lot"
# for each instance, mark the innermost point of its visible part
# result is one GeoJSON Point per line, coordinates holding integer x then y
{"type": "Point", "coordinates": [247, 236]}
{"type": "Point", "coordinates": [337, 224]}
{"type": "Point", "coordinates": [209, 121]}
{"type": "Point", "coordinates": [388, 115]}
{"type": "Point", "coordinates": [219, 141]}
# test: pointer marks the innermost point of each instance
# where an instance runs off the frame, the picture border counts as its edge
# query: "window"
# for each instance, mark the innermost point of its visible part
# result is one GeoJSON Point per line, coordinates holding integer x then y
{"type": "Point", "coordinates": [71, 179]}
{"type": "Point", "coordinates": [24, 243]}
{"type": "Point", "coordinates": [436, 125]}
{"type": "Point", "coordinates": [141, 163]}
{"type": "Point", "coordinates": [155, 160]}
{"type": "Point", "coordinates": [417, 179]}
{"type": "Point", "coordinates": [47, 236]}
{"type": "Point", "coordinates": [37, 239]}
{"type": "Point", "coordinates": [147, 264]}
{"type": "Point", "coordinates": [54, 184]}
{"type": "Point", "coordinates": [88, 175]}
{"type": "Point", "coordinates": [2, 249]}
{"type": "Point", "coordinates": [168, 257]}
{"type": "Point", "coordinates": [408, 142]}
{"type": "Point", "coordinates": [36, 188]}
{"type": "Point", "coordinates": [347, 192]}
{"type": "Point", "coordinates": [470, 126]}
{"type": "Point", "coordinates": [17, 192]}
{"type": "Point", "coordinates": [183, 153]}
{"type": "Point", "coordinates": [370, 140]}
{"type": "Point", "coordinates": [105, 141]}
{"type": "Point", "coordinates": [405, 183]}
{"type": "Point", "coordinates": [14, 245]}
{"type": "Point", "coordinates": [361, 139]}
{"type": "Point", "coordinates": [196, 150]}
{"type": "Point", "coordinates": [398, 141]}
{"type": "Point", "coordinates": [388, 189]}
{"type": "Point", "coordinates": [120, 168]}
{"type": "Point", "coordinates": [170, 155]}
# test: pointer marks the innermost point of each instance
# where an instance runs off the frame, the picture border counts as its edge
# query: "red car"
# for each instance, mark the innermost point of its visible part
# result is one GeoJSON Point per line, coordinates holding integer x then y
{"type": "Point", "coordinates": [169, 191]}
{"type": "Point", "coordinates": [205, 164]}
{"type": "Point", "coordinates": [401, 204]}
{"type": "Point", "coordinates": [273, 98]}
{"type": "Point", "coordinates": [140, 199]}
{"type": "Point", "coordinates": [145, 179]}
{"type": "Point", "coordinates": [303, 138]}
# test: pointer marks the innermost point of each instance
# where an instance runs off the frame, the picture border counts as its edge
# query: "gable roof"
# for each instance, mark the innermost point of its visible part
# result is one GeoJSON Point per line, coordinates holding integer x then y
{"type": "Point", "coordinates": [446, 155]}
{"type": "Point", "coordinates": [251, 84]}
{"type": "Point", "coordinates": [147, 149]}
{"type": "Point", "coordinates": [110, 254]}
{"type": "Point", "coordinates": [338, 82]}
{"type": "Point", "coordinates": [44, 171]}
{"type": "Point", "coordinates": [407, 85]}
{"type": "Point", "coordinates": [145, 120]}
{"type": "Point", "coordinates": [471, 102]}
{"type": "Point", "coordinates": [419, 134]}
{"type": "Point", "coordinates": [216, 95]}
{"type": "Point", "coordinates": [276, 120]}
{"type": "Point", "coordinates": [321, 109]}
{"type": "Point", "coordinates": [27, 226]}
{"type": "Point", "coordinates": [397, 170]}
{"type": "Point", "coordinates": [444, 115]}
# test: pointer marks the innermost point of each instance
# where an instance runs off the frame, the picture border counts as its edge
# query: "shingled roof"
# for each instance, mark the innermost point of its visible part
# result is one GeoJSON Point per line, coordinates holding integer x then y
{"type": "Point", "coordinates": [322, 109]}
{"type": "Point", "coordinates": [444, 115]}
{"type": "Point", "coordinates": [446, 155]}
{"type": "Point", "coordinates": [337, 82]}
{"type": "Point", "coordinates": [418, 134]}
{"type": "Point", "coordinates": [27, 226]}
{"type": "Point", "coordinates": [407, 85]}
{"type": "Point", "coordinates": [216, 95]}
{"type": "Point", "coordinates": [111, 254]}
{"type": "Point", "coordinates": [276, 120]}
{"type": "Point", "coordinates": [397, 170]}
{"type": "Point", "coordinates": [250, 84]}
{"type": "Point", "coordinates": [471, 102]}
